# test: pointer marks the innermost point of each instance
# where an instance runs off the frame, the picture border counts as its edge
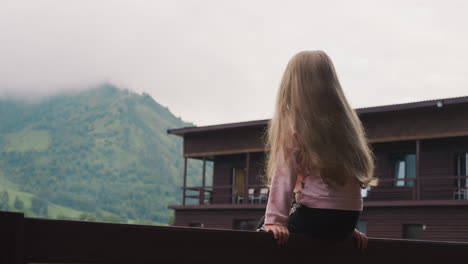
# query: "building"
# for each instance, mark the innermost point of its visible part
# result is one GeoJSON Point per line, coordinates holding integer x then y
{"type": "Point", "coordinates": [421, 152]}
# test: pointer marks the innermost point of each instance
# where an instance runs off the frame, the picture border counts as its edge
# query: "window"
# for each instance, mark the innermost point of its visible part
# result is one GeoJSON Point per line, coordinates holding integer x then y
{"type": "Point", "coordinates": [238, 179]}
{"type": "Point", "coordinates": [413, 231]}
{"type": "Point", "coordinates": [196, 224]}
{"type": "Point", "coordinates": [461, 184]}
{"type": "Point", "coordinates": [364, 192]}
{"type": "Point", "coordinates": [362, 226]}
{"type": "Point", "coordinates": [245, 224]}
{"type": "Point", "coordinates": [404, 168]}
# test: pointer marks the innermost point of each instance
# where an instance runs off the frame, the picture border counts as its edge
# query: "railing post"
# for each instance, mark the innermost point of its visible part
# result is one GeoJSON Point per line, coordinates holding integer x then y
{"type": "Point", "coordinates": [185, 181]}
{"type": "Point", "coordinates": [11, 238]}
{"type": "Point", "coordinates": [418, 167]}
{"type": "Point", "coordinates": [202, 194]}
{"type": "Point", "coordinates": [246, 182]}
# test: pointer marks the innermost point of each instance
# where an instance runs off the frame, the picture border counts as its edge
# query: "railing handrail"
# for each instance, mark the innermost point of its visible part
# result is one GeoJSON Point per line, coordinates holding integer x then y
{"type": "Point", "coordinates": [417, 183]}
{"type": "Point", "coordinates": [222, 187]}
{"type": "Point", "coordinates": [203, 190]}
{"type": "Point", "coordinates": [448, 177]}
{"type": "Point", "coordinates": [425, 178]}
{"type": "Point", "coordinates": [61, 241]}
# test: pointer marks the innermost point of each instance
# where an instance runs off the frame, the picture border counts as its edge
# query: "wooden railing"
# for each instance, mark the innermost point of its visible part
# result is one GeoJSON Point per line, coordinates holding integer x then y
{"type": "Point", "coordinates": [33, 240]}
{"type": "Point", "coordinates": [410, 189]}
{"type": "Point", "coordinates": [207, 194]}
{"type": "Point", "coordinates": [423, 188]}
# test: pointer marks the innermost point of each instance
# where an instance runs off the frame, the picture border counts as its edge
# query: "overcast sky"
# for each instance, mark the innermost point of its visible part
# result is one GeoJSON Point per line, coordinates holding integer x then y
{"type": "Point", "coordinates": [218, 61]}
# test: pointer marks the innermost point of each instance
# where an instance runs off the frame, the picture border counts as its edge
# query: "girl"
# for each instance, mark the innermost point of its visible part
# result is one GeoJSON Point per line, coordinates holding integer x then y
{"type": "Point", "coordinates": [316, 148]}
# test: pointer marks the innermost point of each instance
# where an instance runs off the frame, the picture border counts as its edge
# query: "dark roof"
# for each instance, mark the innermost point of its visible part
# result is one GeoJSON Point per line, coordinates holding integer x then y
{"type": "Point", "coordinates": [413, 105]}
{"type": "Point", "coordinates": [185, 130]}
{"type": "Point", "coordinates": [360, 111]}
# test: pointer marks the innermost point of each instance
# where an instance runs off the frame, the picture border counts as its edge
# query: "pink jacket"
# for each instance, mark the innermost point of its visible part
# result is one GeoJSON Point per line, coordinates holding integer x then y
{"type": "Point", "coordinates": [309, 189]}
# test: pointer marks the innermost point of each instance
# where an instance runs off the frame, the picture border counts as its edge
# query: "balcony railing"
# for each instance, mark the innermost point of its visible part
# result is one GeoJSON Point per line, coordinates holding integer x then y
{"type": "Point", "coordinates": [32, 240]}
{"type": "Point", "coordinates": [226, 194]}
{"type": "Point", "coordinates": [424, 188]}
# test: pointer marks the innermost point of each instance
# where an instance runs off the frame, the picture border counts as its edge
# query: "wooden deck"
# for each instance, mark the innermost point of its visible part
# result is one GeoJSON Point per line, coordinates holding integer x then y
{"type": "Point", "coordinates": [32, 240]}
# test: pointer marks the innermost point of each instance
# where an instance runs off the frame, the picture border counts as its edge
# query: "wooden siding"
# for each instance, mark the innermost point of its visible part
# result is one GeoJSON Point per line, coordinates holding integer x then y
{"type": "Point", "coordinates": [423, 123]}
{"type": "Point", "coordinates": [449, 223]}
{"type": "Point", "coordinates": [417, 123]}
{"type": "Point", "coordinates": [227, 141]}
{"type": "Point", "coordinates": [216, 218]}
{"type": "Point", "coordinates": [443, 223]}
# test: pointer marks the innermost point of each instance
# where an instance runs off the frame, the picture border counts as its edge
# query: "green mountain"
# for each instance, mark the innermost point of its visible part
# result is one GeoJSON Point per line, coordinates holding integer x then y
{"type": "Point", "coordinates": [99, 153]}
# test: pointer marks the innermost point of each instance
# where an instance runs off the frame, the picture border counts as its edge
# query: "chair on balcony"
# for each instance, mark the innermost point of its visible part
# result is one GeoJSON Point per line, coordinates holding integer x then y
{"type": "Point", "coordinates": [461, 189]}
{"type": "Point", "coordinates": [251, 192]}
{"type": "Point", "coordinates": [460, 194]}
{"type": "Point", "coordinates": [238, 195]}
{"type": "Point", "coordinates": [263, 195]}
{"type": "Point", "coordinates": [240, 198]}
{"type": "Point", "coordinates": [208, 197]}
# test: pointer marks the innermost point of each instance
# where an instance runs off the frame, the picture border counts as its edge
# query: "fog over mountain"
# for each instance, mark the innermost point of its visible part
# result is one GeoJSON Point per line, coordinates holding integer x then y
{"type": "Point", "coordinates": [103, 153]}
{"type": "Point", "coordinates": [196, 56]}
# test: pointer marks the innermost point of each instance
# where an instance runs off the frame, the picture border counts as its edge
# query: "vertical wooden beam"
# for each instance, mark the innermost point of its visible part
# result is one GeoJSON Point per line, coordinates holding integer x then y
{"type": "Point", "coordinates": [202, 194]}
{"type": "Point", "coordinates": [246, 180]}
{"type": "Point", "coordinates": [418, 168]}
{"type": "Point", "coordinates": [12, 238]}
{"type": "Point", "coordinates": [185, 180]}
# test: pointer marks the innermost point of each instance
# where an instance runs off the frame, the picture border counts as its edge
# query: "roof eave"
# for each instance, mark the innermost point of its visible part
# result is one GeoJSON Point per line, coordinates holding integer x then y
{"type": "Point", "coordinates": [365, 110]}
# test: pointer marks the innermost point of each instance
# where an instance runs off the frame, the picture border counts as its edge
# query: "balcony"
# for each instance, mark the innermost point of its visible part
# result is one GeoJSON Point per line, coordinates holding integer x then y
{"type": "Point", "coordinates": [225, 194]}
{"type": "Point", "coordinates": [434, 188]}
{"type": "Point", "coordinates": [33, 240]}
{"type": "Point", "coordinates": [448, 188]}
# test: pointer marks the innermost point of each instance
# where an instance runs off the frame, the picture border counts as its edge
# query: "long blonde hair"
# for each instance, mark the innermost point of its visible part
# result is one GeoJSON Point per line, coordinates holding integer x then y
{"type": "Point", "coordinates": [329, 134]}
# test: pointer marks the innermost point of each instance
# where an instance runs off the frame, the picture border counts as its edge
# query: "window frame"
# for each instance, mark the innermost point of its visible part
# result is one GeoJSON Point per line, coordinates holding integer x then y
{"type": "Point", "coordinates": [196, 224]}
{"type": "Point", "coordinates": [403, 158]}
{"type": "Point", "coordinates": [249, 223]}
{"type": "Point", "coordinates": [405, 232]}
{"type": "Point", "coordinates": [361, 225]}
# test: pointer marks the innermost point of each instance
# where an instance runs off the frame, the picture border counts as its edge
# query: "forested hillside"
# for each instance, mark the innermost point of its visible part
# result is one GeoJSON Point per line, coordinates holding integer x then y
{"type": "Point", "coordinates": [99, 153]}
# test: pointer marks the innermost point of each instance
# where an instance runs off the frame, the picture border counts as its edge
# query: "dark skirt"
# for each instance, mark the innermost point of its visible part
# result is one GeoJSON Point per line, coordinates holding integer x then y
{"type": "Point", "coordinates": [328, 224]}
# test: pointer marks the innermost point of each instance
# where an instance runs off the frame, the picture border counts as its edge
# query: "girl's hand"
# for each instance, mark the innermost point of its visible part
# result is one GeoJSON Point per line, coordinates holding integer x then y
{"type": "Point", "coordinates": [281, 233]}
{"type": "Point", "coordinates": [361, 239]}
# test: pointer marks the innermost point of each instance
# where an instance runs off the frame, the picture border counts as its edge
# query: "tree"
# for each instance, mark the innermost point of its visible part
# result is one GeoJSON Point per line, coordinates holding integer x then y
{"type": "Point", "coordinates": [64, 217]}
{"type": "Point", "coordinates": [87, 217]}
{"type": "Point", "coordinates": [19, 204]}
{"type": "Point", "coordinates": [171, 220]}
{"type": "Point", "coordinates": [143, 222]}
{"type": "Point", "coordinates": [4, 199]}
{"type": "Point", "coordinates": [111, 218]}
{"type": "Point", "coordinates": [39, 206]}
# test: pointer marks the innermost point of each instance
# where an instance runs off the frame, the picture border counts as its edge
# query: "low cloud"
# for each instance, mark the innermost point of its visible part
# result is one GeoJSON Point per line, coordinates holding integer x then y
{"type": "Point", "coordinates": [221, 61]}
